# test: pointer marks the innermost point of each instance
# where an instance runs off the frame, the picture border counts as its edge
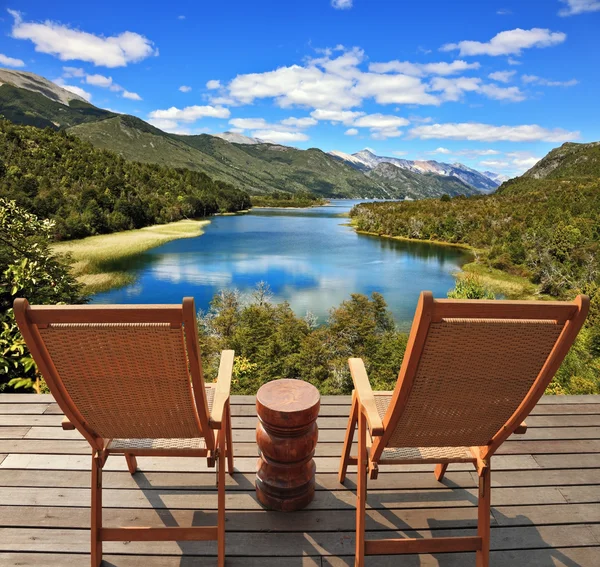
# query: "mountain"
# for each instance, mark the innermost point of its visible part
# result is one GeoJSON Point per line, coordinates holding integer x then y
{"type": "Point", "coordinates": [246, 163]}
{"type": "Point", "coordinates": [236, 138]}
{"type": "Point", "coordinates": [366, 160]}
{"type": "Point", "coordinates": [569, 160]}
{"type": "Point", "coordinates": [419, 185]}
{"type": "Point", "coordinates": [497, 177]}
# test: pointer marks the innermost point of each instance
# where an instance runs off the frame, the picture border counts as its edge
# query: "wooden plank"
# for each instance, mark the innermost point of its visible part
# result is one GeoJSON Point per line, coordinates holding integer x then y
{"type": "Point", "coordinates": [13, 432]}
{"type": "Point", "coordinates": [292, 545]}
{"type": "Point", "coordinates": [340, 412]}
{"type": "Point", "coordinates": [24, 409]}
{"type": "Point", "coordinates": [29, 420]}
{"type": "Point", "coordinates": [2, 457]}
{"type": "Point", "coordinates": [552, 477]}
{"type": "Point", "coordinates": [563, 421]}
{"type": "Point", "coordinates": [26, 398]}
{"type": "Point", "coordinates": [242, 464]}
{"type": "Point", "coordinates": [239, 482]}
{"type": "Point", "coordinates": [589, 460]}
{"type": "Point", "coordinates": [205, 498]}
{"type": "Point", "coordinates": [559, 557]}
{"type": "Point", "coordinates": [541, 447]}
{"type": "Point", "coordinates": [79, 560]}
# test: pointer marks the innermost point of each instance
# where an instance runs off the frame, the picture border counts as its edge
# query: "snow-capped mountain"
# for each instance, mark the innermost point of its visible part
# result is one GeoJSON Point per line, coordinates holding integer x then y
{"type": "Point", "coordinates": [367, 160]}
{"type": "Point", "coordinates": [236, 138]}
{"type": "Point", "coordinates": [497, 177]}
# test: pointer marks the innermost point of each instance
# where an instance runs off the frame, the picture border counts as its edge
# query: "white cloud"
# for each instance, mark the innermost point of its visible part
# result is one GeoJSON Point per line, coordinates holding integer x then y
{"type": "Point", "coordinates": [185, 89]}
{"type": "Point", "coordinates": [278, 137]}
{"type": "Point", "coordinates": [421, 69]}
{"type": "Point", "coordinates": [214, 84]}
{"type": "Point", "coordinates": [444, 151]}
{"type": "Point", "coordinates": [190, 113]}
{"type": "Point", "coordinates": [495, 163]}
{"type": "Point", "coordinates": [71, 44]}
{"type": "Point", "coordinates": [510, 42]}
{"type": "Point", "coordinates": [471, 153]}
{"type": "Point", "coordinates": [341, 4]}
{"type": "Point", "coordinates": [574, 7]}
{"type": "Point", "coordinates": [381, 126]}
{"type": "Point", "coordinates": [490, 133]}
{"type": "Point", "coordinates": [513, 162]}
{"type": "Point", "coordinates": [305, 122]}
{"type": "Point", "coordinates": [99, 80]}
{"type": "Point", "coordinates": [380, 121]}
{"type": "Point", "coordinates": [502, 76]}
{"type": "Point", "coordinates": [11, 61]}
{"type": "Point", "coordinates": [72, 88]}
{"type": "Point", "coordinates": [164, 124]}
{"type": "Point", "coordinates": [534, 79]}
{"type": "Point", "coordinates": [130, 95]}
{"type": "Point", "coordinates": [73, 72]}
{"type": "Point", "coordinates": [346, 117]}
{"type": "Point", "coordinates": [453, 89]}
{"type": "Point", "coordinates": [512, 61]}
{"type": "Point", "coordinates": [504, 12]}
{"type": "Point", "coordinates": [513, 94]}
{"type": "Point", "coordinates": [329, 84]}
{"type": "Point", "coordinates": [351, 132]}
{"type": "Point", "coordinates": [181, 17]}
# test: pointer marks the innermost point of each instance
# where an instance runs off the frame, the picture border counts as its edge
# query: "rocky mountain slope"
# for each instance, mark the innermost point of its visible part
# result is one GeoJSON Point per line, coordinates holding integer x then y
{"type": "Point", "coordinates": [569, 160]}
{"type": "Point", "coordinates": [366, 160]}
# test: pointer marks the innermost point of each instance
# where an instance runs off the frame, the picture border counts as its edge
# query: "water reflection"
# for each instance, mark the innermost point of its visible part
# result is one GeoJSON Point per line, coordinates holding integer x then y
{"type": "Point", "coordinates": [308, 257]}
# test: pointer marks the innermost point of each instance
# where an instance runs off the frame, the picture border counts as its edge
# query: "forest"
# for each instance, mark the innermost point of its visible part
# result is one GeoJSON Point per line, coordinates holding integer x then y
{"type": "Point", "coordinates": [546, 230]}
{"type": "Point", "coordinates": [87, 191]}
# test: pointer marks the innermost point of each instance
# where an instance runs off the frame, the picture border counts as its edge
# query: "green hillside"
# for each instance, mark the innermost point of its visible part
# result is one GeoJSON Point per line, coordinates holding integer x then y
{"type": "Point", "coordinates": [89, 191]}
{"type": "Point", "coordinates": [33, 109]}
{"type": "Point", "coordinates": [568, 161]}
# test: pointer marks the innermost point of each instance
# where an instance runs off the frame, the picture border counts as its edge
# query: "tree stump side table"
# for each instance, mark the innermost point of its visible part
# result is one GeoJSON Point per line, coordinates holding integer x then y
{"type": "Point", "coordinates": [286, 435]}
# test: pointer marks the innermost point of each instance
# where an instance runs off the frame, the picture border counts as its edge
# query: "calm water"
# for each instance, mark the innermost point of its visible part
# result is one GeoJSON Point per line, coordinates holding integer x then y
{"type": "Point", "coordinates": [307, 257]}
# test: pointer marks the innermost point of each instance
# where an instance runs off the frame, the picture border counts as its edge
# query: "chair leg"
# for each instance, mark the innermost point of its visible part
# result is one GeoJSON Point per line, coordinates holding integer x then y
{"type": "Point", "coordinates": [361, 491]}
{"type": "Point", "coordinates": [440, 471]}
{"type": "Point", "coordinates": [96, 519]}
{"type": "Point", "coordinates": [483, 518]}
{"type": "Point", "coordinates": [229, 440]}
{"type": "Point", "coordinates": [349, 438]}
{"type": "Point", "coordinates": [131, 462]}
{"type": "Point", "coordinates": [221, 500]}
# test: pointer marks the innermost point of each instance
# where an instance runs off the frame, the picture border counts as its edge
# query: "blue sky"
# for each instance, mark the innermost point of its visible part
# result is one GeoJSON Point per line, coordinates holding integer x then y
{"type": "Point", "coordinates": [492, 84]}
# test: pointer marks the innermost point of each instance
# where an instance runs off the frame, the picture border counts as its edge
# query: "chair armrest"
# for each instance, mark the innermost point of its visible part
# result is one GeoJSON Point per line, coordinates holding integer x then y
{"type": "Point", "coordinates": [366, 399]}
{"type": "Point", "coordinates": [222, 389]}
{"type": "Point", "coordinates": [66, 424]}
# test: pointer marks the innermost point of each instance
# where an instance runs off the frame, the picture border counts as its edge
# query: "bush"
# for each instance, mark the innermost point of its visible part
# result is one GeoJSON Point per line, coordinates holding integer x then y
{"type": "Point", "coordinates": [27, 269]}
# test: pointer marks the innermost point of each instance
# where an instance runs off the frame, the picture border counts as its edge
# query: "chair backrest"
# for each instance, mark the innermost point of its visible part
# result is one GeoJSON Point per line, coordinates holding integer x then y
{"type": "Point", "coordinates": [473, 369]}
{"type": "Point", "coordinates": [121, 371]}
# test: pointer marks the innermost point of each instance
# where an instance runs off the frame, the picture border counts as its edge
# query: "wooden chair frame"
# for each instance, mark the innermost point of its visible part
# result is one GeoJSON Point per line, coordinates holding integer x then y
{"type": "Point", "coordinates": [374, 432]}
{"type": "Point", "coordinates": [215, 427]}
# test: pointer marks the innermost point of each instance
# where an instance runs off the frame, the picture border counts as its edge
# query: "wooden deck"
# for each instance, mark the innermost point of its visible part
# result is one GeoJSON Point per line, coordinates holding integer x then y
{"type": "Point", "coordinates": [546, 497]}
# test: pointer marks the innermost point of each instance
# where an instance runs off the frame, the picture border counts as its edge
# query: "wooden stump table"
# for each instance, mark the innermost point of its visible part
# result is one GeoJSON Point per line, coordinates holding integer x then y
{"type": "Point", "coordinates": [287, 435]}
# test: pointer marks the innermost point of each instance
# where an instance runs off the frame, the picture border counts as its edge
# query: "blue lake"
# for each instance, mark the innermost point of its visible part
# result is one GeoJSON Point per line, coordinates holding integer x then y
{"type": "Point", "coordinates": [307, 256]}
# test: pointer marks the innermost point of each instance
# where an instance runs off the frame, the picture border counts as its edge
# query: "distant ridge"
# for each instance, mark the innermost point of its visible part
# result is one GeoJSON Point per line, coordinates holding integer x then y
{"type": "Point", "coordinates": [366, 160]}
{"type": "Point", "coordinates": [246, 163]}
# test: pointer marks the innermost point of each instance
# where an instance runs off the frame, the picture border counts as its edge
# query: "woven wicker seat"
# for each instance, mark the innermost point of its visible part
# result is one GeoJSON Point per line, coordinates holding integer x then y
{"type": "Point", "coordinates": [129, 379]}
{"type": "Point", "coordinates": [471, 373]}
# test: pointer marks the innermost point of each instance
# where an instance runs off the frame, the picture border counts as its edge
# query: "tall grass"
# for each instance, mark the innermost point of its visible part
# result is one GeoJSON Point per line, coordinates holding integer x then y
{"type": "Point", "coordinates": [97, 260]}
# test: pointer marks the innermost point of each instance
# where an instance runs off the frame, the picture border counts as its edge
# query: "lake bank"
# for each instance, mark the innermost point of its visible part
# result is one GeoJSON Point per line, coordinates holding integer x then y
{"type": "Point", "coordinates": [96, 258]}
{"type": "Point", "coordinates": [502, 283]}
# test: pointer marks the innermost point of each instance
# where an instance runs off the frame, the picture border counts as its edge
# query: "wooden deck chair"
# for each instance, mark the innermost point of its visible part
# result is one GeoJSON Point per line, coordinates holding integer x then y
{"type": "Point", "coordinates": [472, 372]}
{"type": "Point", "coordinates": [129, 379]}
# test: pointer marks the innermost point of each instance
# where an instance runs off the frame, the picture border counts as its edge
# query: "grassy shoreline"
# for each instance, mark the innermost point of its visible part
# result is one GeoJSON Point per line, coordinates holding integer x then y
{"type": "Point", "coordinates": [94, 257]}
{"type": "Point", "coordinates": [497, 281]}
